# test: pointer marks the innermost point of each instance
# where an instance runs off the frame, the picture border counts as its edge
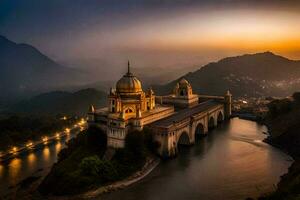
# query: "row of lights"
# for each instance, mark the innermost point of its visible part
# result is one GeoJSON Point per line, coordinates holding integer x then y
{"type": "Point", "coordinates": [45, 139]}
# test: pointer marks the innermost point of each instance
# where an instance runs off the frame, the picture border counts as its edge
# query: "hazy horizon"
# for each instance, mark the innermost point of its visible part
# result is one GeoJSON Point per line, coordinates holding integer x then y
{"type": "Point", "coordinates": [103, 35]}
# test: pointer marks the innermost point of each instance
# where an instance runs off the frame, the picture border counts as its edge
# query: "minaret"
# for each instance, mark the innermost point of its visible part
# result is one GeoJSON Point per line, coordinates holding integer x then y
{"type": "Point", "coordinates": [128, 68]}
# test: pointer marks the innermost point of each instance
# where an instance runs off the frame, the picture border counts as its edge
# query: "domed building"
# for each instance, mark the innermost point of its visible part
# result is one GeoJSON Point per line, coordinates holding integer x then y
{"type": "Point", "coordinates": [129, 107]}
{"type": "Point", "coordinates": [182, 96]}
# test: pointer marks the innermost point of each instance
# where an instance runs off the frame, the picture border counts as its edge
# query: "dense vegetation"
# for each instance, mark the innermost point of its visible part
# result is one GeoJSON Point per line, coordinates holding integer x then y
{"type": "Point", "coordinates": [59, 102]}
{"type": "Point", "coordinates": [283, 121]}
{"type": "Point", "coordinates": [84, 164]}
{"type": "Point", "coordinates": [17, 130]}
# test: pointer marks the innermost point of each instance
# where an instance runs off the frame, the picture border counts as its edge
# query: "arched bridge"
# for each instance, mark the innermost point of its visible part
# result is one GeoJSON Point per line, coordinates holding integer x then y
{"type": "Point", "coordinates": [186, 125]}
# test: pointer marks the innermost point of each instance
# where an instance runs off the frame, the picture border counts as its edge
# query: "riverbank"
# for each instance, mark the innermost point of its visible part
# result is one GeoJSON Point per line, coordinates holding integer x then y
{"type": "Point", "coordinates": [149, 166]}
{"type": "Point", "coordinates": [283, 124]}
{"type": "Point", "coordinates": [28, 187]}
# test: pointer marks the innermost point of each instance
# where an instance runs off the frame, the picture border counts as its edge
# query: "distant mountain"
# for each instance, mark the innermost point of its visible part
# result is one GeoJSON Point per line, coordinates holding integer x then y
{"type": "Point", "coordinates": [163, 75]}
{"type": "Point", "coordinates": [25, 70]}
{"type": "Point", "coordinates": [60, 102]}
{"type": "Point", "coordinates": [261, 74]}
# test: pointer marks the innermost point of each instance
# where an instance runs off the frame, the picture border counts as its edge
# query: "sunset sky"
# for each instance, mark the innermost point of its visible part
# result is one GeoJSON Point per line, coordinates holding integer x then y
{"type": "Point", "coordinates": [169, 32]}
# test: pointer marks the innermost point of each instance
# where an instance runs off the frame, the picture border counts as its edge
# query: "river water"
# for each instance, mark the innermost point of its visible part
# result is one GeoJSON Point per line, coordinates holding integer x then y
{"type": "Point", "coordinates": [36, 162]}
{"type": "Point", "coordinates": [232, 163]}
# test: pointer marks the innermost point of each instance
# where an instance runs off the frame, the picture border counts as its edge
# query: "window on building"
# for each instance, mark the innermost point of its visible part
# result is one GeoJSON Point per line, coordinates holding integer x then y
{"type": "Point", "coordinates": [181, 93]}
{"type": "Point", "coordinates": [129, 110]}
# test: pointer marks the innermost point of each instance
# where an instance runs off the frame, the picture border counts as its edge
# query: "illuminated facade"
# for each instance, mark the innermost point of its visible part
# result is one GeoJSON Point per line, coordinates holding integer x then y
{"type": "Point", "coordinates": [175, 116]}
{"type": "Point", "coordinates": [129, 107]}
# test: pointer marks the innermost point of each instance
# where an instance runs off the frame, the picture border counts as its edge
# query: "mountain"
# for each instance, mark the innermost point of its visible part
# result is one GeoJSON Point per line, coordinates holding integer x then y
{"type": "Point", "coordinates": [25, 70]}
{"type": "Point", "coordinates": [261, 74]}
{"type": "Point", "coordinates": [59, 102]}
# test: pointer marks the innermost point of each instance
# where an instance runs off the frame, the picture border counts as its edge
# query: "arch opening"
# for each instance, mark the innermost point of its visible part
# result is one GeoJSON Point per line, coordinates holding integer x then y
{"type": "Point", "coordinates": [220, 118]}
{"type": "Point", "coordinates": [199, 132]}
{"type": "Point", "coordinates": [184, 139]}
{"type": "Point", "coordinates": [183, 142]}
{"type": "Point", "coordinates": [211, 123]}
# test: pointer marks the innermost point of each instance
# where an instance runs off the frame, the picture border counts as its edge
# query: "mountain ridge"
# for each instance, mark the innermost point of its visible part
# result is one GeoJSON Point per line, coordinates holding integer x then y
{"type": "Point", "coordinates": [25, 70]}
{"type": "Point", "coordinates": [260, 74]}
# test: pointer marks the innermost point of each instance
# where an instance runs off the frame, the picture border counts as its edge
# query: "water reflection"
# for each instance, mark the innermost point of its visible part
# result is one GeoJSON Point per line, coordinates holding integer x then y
{"type": "Point", "coordinates": [37, 160]}
{"type": "Point", "coordinates": [14, 169]}
{"type": "Point", "coordinates": [31, 159]}
{"type": "Point", "coordinates": [46, 153]}
{"type": "Point", "coordinates": [58, 146]}
{"type": "Point", "coordinates": [230, 163]}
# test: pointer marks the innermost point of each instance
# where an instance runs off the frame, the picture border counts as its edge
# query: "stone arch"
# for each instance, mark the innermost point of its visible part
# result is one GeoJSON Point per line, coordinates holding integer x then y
{"type": "Point", "coordinates": [184, 139]}
{"type": "Point", "coordinates": [220, 117]}
{"type": "Point", "coordinates": [199, 131]}
{"type": "Point", "coordinates": [211, 122]}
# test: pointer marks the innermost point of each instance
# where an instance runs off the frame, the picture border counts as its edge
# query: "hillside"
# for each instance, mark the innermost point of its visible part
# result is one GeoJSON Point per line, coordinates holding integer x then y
{"type": "Point", "coordinates": [261, 74]}
{"type": "Point", "coordinates": [25, 70]}
{"type": "Point", "coordinates": [283, 123]}
{"type": "Point", "coordinates": [59, 102]}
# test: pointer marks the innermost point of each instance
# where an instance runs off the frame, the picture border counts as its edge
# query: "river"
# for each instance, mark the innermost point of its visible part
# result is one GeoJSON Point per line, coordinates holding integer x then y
{"type": "Point", "coordinates": [36, 162]}
{"type": "Point", "coordinates": [232, 163]}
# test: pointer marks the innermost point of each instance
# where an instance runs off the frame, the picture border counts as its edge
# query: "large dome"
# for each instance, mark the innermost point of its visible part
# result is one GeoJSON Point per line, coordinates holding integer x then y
{"type": "Point", "coordinates": [129, 83]}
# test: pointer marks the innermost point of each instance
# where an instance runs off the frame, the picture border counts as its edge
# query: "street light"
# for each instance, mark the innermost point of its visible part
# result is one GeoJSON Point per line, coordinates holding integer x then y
{"type": "Point", "coordinates": [67, 130]}
{"type": "Point", "coordinates": [29, 144]}
{"type": "Point", "coordinates": [14, 150]}
{"type": "Point", "coordinates": [45, 139]}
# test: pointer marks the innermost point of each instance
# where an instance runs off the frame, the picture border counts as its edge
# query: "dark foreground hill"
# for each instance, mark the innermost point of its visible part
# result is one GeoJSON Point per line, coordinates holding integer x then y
{"type": "Point", "coordinates": [261, 74]}
{"type": "Point", "coordinates": [24, 70]}
{"type": "Point", "coordinates": [283, 123]}
{"type": "Point", "coordinates": [59, 102]}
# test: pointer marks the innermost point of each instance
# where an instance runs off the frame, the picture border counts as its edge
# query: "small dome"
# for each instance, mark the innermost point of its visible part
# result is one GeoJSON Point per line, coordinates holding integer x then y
{"type": "Point", "coordinates": [183, 83]}
{"type": "Point", "coordinates": [129, 83]}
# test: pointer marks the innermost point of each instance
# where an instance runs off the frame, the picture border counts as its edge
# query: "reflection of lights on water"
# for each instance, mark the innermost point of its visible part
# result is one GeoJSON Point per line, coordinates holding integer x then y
{"type": "Point", "coordinates": [58, 147]}
{"type": "Point", "coordinates": [14, 168]}
{"type": "Point", "coordinates": [1, 170]}
{"type": "Point", "coordinates": [31, 159]}
{"type": "Point", "coordinates": [46, 153]}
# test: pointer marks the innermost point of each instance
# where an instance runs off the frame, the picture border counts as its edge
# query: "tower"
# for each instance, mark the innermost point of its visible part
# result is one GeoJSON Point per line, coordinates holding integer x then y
{"type": "Point", "coordinates": [227, 108]}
